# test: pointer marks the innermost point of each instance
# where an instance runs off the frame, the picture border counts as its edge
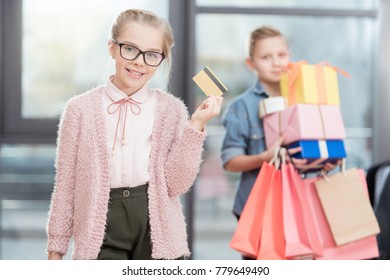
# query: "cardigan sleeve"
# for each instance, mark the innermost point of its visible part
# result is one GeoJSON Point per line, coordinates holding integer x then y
{"type": "Point", "coordinates": [60, 222]}
{"type": "Point", "coordinates": [185, 156]}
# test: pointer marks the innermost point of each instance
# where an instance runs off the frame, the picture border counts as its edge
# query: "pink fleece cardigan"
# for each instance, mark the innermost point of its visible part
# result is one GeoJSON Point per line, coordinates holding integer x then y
{"type": "Point", "coordinates": [79, 201]}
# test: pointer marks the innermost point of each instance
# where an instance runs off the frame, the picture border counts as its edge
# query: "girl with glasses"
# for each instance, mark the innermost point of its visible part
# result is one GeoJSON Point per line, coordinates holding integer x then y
{"type": "Point", "coordinates": [126, 153]}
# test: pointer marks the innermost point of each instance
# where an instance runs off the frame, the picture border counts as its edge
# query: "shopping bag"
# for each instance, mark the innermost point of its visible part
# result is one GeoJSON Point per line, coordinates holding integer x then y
{"type": "Point", "coordinates": [365, 248]}
{"type": "Point", "coordinates": [246, 238]}
{"type": "Point", "coordinates": [272, 242]}
{"type": "Point", "coordinates": [346, 206]}
{"type": "Point", "coordinates": [299, 227]}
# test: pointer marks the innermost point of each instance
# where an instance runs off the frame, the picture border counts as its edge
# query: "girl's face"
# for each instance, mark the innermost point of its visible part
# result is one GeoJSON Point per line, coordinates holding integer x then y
{"type": "Point", "coordinates": [270, 56]}
{"type": "Point", "coordinates": [131, 75]}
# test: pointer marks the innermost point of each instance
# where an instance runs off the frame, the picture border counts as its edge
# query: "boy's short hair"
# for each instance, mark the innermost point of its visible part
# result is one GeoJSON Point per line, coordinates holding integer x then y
{"type": "Point", "coordinates": [261, 33]}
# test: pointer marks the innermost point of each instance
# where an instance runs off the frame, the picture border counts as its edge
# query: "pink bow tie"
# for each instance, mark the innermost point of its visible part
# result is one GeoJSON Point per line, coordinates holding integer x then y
{"type": "Point", "coordinates": [113, 107]}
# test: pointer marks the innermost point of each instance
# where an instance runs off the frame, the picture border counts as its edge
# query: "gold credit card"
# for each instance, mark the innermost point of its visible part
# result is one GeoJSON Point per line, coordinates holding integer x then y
{"type": "Point", "coordinates": [209, 83]}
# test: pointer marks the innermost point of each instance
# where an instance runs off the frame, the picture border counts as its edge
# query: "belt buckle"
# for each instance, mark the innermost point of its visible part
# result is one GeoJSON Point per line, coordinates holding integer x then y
{"type": "Point", "coordinates": [126, 193]}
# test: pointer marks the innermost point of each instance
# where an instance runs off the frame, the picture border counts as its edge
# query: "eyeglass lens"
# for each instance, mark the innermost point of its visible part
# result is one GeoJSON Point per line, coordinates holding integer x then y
{"type": "Point", "coordinates": [150, 58]}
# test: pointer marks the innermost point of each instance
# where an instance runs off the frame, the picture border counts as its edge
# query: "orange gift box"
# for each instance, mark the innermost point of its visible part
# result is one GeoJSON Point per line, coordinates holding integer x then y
{"type": "Point", "coordinates": [312, 84]}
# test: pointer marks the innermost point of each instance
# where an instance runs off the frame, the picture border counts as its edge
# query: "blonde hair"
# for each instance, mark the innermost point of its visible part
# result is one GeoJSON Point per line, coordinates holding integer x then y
{"type": "Point", "coordinates": [260, 34]}
{"type": "Point", "coordinates": [153, 20]}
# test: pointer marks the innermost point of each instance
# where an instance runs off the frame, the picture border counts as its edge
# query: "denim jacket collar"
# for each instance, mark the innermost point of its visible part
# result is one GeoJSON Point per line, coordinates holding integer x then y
{"type": "Point", "coordinates": [257, 88]}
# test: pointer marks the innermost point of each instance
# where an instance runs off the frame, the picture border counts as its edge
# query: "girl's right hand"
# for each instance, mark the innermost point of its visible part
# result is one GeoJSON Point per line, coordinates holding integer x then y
{"type": "Point", "coordinates": [54, 256]}
{"type": "Point", "coordinates": [209, 109]}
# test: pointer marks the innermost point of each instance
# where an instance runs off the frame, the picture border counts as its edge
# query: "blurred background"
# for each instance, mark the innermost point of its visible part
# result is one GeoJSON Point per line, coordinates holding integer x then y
{"type": "Point", "coordinates": [53, 50]}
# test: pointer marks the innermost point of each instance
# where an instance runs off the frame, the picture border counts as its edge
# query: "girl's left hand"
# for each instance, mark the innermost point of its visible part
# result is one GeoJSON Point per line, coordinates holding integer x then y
{"type": "Point", "coordinates": [209, 109]}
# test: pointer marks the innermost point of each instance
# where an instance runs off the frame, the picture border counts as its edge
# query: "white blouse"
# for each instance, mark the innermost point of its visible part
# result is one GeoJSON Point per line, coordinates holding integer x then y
{"type": "Point", "coordinates": [129, 123]}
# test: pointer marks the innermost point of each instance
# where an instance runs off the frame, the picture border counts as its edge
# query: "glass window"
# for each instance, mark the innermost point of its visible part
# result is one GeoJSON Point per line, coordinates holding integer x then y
{"type": "Point", "coordinates": [346, 4]}
{"type": "Point", "coordinates": [348, 43]}
{"type": "Point", "coordinates": [64, 49]}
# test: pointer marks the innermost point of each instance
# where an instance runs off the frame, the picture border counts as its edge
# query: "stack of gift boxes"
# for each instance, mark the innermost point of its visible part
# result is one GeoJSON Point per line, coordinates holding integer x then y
{"type": "Point", "coordinates": [308, 112]}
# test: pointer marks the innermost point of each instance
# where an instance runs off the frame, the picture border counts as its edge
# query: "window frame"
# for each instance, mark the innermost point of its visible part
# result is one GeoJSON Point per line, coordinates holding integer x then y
{"type": "Point", "coordinates": [14, 128]}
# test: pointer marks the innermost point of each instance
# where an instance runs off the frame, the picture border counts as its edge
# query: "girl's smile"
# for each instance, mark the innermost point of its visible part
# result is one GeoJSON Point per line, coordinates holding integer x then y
{"type": "Point", "coordinates": [134, 74]}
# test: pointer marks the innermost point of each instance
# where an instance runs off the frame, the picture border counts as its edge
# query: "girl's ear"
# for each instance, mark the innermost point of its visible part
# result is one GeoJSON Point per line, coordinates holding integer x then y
{"type": "Point", "coordinates": [111, 48]}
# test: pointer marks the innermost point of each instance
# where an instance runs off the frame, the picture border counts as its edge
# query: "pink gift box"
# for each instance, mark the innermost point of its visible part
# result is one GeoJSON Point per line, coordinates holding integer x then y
{"type": "Point", "coordinates": [304, 122]}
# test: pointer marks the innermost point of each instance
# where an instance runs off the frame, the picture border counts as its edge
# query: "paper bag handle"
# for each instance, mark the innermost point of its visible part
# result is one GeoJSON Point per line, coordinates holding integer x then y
{"type": "Point", "coordinates": [275, 159]}
{"type": "Point", "coordinates": [324, 174]}
{"type": "Point", "coordinates": [282, 154]}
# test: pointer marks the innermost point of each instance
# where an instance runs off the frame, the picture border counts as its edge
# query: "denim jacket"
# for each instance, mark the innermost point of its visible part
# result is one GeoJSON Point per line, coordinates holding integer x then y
{"type": "Point", "coordinates": [244, 135]}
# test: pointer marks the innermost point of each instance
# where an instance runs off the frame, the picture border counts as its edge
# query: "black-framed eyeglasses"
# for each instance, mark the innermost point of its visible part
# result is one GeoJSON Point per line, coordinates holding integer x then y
{"type": "Point", "coordinates": [130, 52]}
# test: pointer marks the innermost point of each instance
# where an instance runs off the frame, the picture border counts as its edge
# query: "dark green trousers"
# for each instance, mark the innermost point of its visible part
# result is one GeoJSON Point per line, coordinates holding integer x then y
{"type": "Point", "coordinates": [127, 235]}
